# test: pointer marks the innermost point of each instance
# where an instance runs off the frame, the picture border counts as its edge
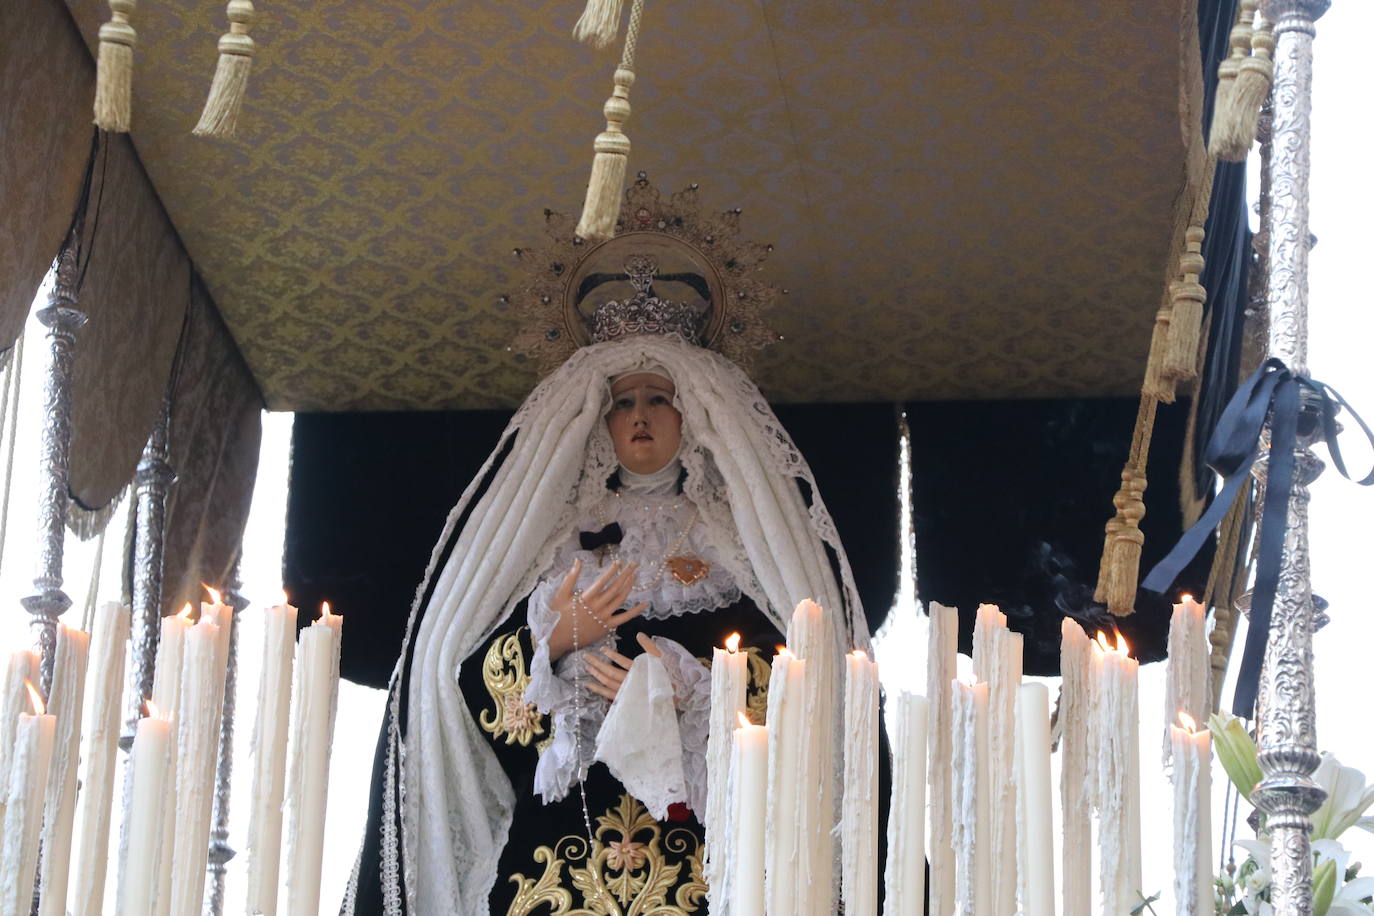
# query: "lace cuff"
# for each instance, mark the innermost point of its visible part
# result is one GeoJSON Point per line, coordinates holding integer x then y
{"type": "Point", "coordinates": [555, 690]}
{"type": "Point", "coordinates": [692, 690]}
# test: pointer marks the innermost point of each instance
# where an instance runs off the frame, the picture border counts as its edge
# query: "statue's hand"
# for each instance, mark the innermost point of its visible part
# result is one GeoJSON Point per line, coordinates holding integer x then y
{"type": "Point", "coordinates": [610, 673]}
{"type": "Point", "coordinates": [593, 612]}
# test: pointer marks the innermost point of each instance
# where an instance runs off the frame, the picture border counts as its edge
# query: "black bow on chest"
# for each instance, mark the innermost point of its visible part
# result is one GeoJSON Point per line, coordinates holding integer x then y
{"type": "Point", "coordinates": [596, 540]}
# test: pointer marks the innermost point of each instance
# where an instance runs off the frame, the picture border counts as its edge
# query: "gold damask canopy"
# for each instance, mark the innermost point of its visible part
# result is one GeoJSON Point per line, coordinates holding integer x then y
{"type": "Point", "coordinates": [968, 200]}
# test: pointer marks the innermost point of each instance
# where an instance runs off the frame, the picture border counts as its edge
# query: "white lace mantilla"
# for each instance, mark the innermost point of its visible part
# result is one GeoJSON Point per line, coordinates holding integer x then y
{"type": "Point", "coordinates": [657, 523]}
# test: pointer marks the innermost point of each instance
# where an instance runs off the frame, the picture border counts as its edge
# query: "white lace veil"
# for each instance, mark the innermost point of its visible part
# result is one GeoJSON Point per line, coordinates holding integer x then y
{"type": "Point", "coordinates": [760, 510]}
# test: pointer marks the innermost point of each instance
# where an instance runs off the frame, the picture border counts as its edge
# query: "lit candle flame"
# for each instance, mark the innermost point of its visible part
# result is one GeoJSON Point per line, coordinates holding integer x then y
{"type": "Point", "coordinates": [39, 707]}
{"type": "Point", "coordinates": [784, 652]}
{"type": "Point", "coordinates": [215, 596]}
{"type": "Point", "coordinates": [185, 612]}
{"type": "Point", "coordinates": [1187, 721]}
{"type": "Point", "coordinates": [732, 642]}
{"type": "Point", "coordinates": [1102, 642]}
{"type": "Point", "coordinates": [324, 611]}
{"type": "Point", "coordinates": [285, 601]}
{"type": "Point", "coordinates": [1187, 598]}
{"type": "Point", "coordinates": [743, 719]}
{"type": "Point", "coordinates": [1123, 648]}
{"type": "Point", "coordinates": [152, 710]}
{"type": "Point", "coordinates": [859, 654]}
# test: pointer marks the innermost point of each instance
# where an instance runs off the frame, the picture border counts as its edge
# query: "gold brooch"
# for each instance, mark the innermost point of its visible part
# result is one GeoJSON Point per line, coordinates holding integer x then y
{"type": "Point", "coordinates": [688, 569]}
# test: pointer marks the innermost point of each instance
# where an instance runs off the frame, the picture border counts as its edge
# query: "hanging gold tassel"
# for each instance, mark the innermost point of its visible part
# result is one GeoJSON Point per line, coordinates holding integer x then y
{"type": "Point", "coordinates": [114, 69]}
{"type": "Point", "coordinates": [1125, 545]}
{"type": "Point", "coordinates": [599, 23]}
{"type": "Point", "coordinates": [236, 50]}
{"type": "Point", "coordinates": [1253, 82]}
{"type": "Point", "coordinates": [1104, 567]}
{"type": "Point", "coordinates": [1226, 115]}
{"type": "Point", "coordinates": [1185, 319]}
{"type": "Point", "coordinates": [1156, 384]}
{"type": "Point", "coordinates": [606, 187]}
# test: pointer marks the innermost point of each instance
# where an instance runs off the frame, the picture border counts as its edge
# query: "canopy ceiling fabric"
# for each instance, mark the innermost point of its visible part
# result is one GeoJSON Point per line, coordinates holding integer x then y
{"type": "Point", "coordinates": [134, 294]}
{"type": "Point", "coordinates": [968, 200]}
{"type": "Point", "coordinates": [45, 121]}
{"type": "Point", "coordinates": [215, 434]}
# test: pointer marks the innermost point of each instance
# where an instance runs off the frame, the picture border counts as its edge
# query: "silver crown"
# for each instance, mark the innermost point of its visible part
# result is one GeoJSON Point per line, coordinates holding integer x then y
{"type": "Point", "coordinates": [645, 313]}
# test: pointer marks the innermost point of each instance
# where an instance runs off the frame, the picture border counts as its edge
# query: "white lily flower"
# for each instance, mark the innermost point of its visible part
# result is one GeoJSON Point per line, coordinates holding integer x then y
{"type": "Point", "coordinates": [1347, 799]}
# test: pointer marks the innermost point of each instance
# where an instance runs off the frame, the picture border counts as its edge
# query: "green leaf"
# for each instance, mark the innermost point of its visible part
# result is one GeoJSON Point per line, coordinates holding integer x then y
{"type": "Point", "coordinates": [1235, 749]}
{"type": "Point", "coordinates": [1323, 887]}
{"type": "Point", "coordinates": [1145, 904]}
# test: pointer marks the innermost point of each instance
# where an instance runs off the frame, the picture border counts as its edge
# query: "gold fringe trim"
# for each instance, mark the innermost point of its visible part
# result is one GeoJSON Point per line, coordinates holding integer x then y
{"type": "Point", "coordinates": [236, 49]}
{"type": "Point", "coordinates": [114, 69]}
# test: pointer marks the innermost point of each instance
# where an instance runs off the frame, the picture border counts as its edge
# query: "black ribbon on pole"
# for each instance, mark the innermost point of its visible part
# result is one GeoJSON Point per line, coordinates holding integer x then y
{"type": "Point", "coordinates": [1274, 392]}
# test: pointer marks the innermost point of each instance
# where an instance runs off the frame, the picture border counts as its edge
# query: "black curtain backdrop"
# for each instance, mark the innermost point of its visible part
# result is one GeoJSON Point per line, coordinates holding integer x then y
{"type": "Point", "coordinates": [1009, 496]}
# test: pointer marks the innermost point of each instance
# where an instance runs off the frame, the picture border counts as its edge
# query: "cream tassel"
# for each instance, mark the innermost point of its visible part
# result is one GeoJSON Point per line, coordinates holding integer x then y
{"type": "Point", "coordinates": [606, 187]}
{"type": "Point", "coordinates": [1253, 82]}
{"type": "Point", "coordinates": [1125, 545]}
{"type": "Point", "coordinates": [599, 23]}
{"type": "Point", "coordinates": [1185, 320]}
{"type": "Point", "coordinates": [1222, 136]}
{"type": "Point", "coordinates": [114, 69]}
{"type": "Point", "coordinates": [1156, 384]}
{"type": "Point", "coordinates": [236, 50]}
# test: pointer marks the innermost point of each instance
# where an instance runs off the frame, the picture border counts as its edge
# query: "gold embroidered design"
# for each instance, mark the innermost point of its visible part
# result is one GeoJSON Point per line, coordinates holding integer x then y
{"type": "Point", "coordinates": [636, 867]}
{"type": "Point", "coordinates": [506, 677]}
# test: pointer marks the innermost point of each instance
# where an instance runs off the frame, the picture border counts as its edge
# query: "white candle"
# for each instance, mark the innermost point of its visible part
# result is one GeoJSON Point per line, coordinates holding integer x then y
{"type": "Point", "coordinates": [109, 638]}
{"type": "Point", "coordinates": [1078, 768]}
{"type": "Point", "coordinates": [972, 799]}
{"type": "Point", "coordinates": [22, 666]}
{"type": "Point", "coordinates": [1035, 828]}
{"type": "Point", "coordinates": [1187, 682]}
{"type": "Point", "coordinates": [748, 811]}
{"type": "Point", "coordinates": [167, 671]}
{"type": "Point", "coordinates": [202, 687]}
{"type": "Point", "coordinates": [270, 733]}
{"type": "Point", "coordinates": [1192, 754]}
{"type": "Point", "coordinates": [859, 821]}
{"type": "Point", "coordinates": [786, 760]}
{"type": "Point", "coordinates": [28, 783]}
{"type": "Point", "coordinates": [812, 639]}
{"type": "Point", "coordinates": [997, 662]}
{"type": "Point", "coordinates": [942, 661]}
{"type": "Point", "coordinates": [59, 814]}
{"type": "Point", "coordinates": [148, 761]}
{"type": "Point", "coordinates": [729, 682]}
{"type": "Point", "coordinates": [1117, 701]}
{"type": "Point", "coordinates": [314, 699]}
{"type": "Point", "coordinates": [905, 874]}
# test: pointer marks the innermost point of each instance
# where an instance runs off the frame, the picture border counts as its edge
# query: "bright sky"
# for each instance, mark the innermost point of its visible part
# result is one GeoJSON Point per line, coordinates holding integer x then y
{"type": "Point", "coordinates": [1342, 328]}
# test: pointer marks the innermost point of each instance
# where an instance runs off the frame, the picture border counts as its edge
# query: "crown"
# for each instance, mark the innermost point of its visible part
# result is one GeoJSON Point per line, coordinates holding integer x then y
{"type": "Point", "coordinates": [660, 241]}
{"type": "Point", "coordinates": [645, 313]}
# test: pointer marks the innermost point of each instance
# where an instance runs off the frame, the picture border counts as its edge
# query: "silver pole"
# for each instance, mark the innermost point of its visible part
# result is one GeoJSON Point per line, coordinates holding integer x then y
{"type": "Point", "coordinates": [153, 480]}
{"type": "Point", "coordinates": [62, 319]}
{"type": "Point", "coordinates": [1286, 715]}
{"type": "Point", "coordinates": [220, 851]}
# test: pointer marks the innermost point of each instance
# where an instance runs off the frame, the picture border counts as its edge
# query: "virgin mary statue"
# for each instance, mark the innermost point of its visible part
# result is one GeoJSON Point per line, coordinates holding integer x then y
{"type": "Point", "coordinates": [644, 500]}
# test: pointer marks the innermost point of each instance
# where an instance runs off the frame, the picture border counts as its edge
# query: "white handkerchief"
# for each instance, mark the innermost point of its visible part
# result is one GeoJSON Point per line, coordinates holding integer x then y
{"type": "Point", "coordinates": [639, 741]}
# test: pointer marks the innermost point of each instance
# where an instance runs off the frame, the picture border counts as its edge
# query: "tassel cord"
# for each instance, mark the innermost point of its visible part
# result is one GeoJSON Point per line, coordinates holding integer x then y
{"type": "Point", "coordinates": [11, 421]}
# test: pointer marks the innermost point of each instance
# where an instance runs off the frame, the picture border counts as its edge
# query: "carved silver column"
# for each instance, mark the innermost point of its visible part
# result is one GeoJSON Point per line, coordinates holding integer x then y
{"type": "Point", "coordinates": [152, 482]}
{"type": "Point", "coordinates": [220, 851]}
{"type": "Point", "coordinates": [62, 319]}
{"type": "Point", "coordinates": [1286, 715]}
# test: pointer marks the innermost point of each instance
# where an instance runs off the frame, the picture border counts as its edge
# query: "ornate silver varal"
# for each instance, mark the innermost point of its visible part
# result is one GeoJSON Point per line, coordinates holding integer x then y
{"type": "Point", "coordinates": [152, 482]}
{"type": "Point", "coordinates": [62, 319]}
{"type": "Point", "coordinates": [1286, 714]}
{"type": "Point", "coordinates": [220, 851]}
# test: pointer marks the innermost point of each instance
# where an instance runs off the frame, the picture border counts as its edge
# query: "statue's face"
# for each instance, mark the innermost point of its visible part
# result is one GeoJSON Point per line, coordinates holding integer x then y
{"type": "Point", "coordinates": [645, 426]}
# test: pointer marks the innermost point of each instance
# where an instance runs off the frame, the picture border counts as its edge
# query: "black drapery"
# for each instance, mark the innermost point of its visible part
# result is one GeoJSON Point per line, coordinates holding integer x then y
{"type": "Point", "coordinates": [1008, 499]}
